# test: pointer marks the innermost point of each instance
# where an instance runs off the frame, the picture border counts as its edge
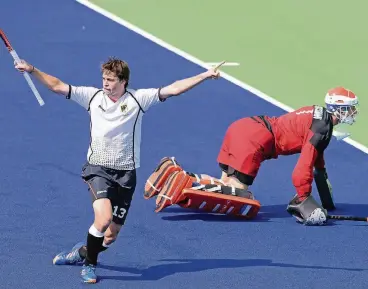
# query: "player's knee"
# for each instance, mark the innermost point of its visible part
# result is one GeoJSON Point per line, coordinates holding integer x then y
{"type": "Point", "coordinates": [103, 221]}
{"type": "Point", "coordinates": [103, 214]}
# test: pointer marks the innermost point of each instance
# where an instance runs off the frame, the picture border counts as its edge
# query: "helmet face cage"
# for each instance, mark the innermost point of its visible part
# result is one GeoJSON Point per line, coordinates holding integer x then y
{"type": "Point", "coordinates": [345, 113]}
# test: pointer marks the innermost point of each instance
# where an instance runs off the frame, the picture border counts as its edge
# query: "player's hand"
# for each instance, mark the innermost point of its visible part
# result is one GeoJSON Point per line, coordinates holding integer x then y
{"type": "Point", "coordinates": [23, 66]}
{"type": "Point", "coordinates": [213, 72]}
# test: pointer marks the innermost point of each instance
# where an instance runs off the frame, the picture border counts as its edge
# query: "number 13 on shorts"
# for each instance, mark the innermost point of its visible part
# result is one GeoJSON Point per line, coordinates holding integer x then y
{"type": "Point", "coordinates": [119, 212]}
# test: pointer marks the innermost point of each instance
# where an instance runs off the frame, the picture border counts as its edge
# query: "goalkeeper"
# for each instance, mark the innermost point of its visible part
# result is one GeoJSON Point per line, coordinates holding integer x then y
{"type": "Point", "coordinates": [247, 143]}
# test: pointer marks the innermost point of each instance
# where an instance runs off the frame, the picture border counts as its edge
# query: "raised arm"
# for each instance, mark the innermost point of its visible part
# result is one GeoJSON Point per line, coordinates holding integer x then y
{"type": "Point", "coordinates": [51, 82]}
{"type": "Point", "coordinates": [181, 86]}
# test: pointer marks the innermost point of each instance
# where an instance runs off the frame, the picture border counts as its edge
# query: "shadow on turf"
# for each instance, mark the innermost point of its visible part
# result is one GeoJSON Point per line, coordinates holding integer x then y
{"type": "Point", "coordinates": [174, 266]}
{"type": "Point", "coordinates": [266, 214]}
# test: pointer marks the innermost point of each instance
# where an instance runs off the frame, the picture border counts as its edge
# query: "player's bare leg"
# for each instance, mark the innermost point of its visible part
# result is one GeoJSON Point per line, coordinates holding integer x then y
{"type": "Point", "coordinates": [111, 234]}
{"type": "Point", "coordinates": [97, 233]}
{"type": "Point", "coordinates": [96, 236]}
{"type": "Point", "coordinates": [109, 238]}
{"type": "Point", "coordinates": [103, 214]}
{"type": "Point", "coordinates": [103, 218]}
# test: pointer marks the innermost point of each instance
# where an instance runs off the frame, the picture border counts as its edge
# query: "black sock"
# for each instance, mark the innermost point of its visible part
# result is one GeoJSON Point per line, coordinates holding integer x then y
{"type": "Point", "coordinates": [83, 251]}
{"type": "Point", "coordinates": [103, 248]}
{"type": "Point", "coordinates": [94, 245]}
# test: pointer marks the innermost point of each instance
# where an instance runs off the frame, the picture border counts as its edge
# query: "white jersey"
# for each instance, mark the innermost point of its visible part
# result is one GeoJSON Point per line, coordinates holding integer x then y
{"type": "Point", "coordinates": [115, 126]}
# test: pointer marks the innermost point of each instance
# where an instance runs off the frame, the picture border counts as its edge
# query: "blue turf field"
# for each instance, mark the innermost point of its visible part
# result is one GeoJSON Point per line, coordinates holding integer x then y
{"type": "Point", "coordinates": [45, 207]}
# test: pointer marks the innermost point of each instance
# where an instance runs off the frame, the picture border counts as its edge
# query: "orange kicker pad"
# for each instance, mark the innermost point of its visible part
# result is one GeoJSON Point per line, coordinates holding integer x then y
{"type": "Point", "coordinates": [166, 167]}
{"type": "Point", "coordinates": [157, 179]}
{"type": "Point", "coordinates": [171, 191]}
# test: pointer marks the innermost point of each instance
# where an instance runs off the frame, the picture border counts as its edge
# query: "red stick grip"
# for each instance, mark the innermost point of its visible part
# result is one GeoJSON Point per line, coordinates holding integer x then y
{"type": "Point", "coordinates": [6, 41]}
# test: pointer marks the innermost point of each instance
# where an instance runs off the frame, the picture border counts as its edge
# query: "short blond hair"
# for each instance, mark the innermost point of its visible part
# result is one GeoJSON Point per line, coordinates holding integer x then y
{"type": "Point", "coordinates": [119, 67]}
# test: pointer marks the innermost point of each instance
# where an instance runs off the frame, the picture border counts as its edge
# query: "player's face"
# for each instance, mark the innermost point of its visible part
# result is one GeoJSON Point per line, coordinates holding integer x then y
{"type": "Point", "coordinates": [112, 86]}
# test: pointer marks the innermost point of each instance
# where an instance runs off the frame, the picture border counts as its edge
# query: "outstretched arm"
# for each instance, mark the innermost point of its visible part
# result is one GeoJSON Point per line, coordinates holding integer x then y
{"type": "Point", "coordinates": [51, 82]}
{"type": "Point", "coordinates": [181, 86]}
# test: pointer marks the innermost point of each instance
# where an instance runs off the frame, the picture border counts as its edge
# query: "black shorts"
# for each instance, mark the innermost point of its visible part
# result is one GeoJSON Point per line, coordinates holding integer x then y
{"type": "Point", "coordinates": [243, 178]}
{"type": "Point", "coordinates": [116, 185]}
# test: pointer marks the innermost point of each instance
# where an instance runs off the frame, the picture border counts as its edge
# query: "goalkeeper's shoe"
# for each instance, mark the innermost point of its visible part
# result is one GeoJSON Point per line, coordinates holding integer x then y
{"type": "Point", "coordinates": [69, 258]}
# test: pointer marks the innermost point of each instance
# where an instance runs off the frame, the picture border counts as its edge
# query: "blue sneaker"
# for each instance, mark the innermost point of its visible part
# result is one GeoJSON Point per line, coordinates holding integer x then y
{"type": "Point", "coordinates": [69, 258]}
{"type": "Point", "coordinates": [88, 274]}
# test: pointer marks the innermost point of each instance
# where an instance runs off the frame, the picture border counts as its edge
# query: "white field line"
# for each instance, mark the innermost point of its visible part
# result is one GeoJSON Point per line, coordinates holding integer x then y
{"type": "Point", "coordinates": [199, 62]}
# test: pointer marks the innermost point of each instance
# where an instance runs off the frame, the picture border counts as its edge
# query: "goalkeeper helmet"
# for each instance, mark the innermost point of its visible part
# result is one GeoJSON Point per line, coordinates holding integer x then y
{"type": "Point", "coordinates": [342, 103]}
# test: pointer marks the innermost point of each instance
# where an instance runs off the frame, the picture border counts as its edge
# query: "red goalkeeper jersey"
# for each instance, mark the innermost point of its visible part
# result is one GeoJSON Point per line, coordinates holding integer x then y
{"type": "Point", "coordinates": [307, 131]}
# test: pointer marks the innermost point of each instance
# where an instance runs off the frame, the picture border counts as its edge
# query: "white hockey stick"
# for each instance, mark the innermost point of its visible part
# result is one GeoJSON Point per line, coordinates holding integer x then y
{"type": "Point", "coordinates": [25, 74]}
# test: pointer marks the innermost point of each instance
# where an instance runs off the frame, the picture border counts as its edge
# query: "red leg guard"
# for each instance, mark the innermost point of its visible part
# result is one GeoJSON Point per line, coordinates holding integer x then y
{"type": "Point", "coordinates": [171, 193]}
{"type": "Point", "coordinates": [158, 178]}
{"type": "Point", "coordinates": [220, 203]}
{"type": "Point", "coordinates": [166, 167]}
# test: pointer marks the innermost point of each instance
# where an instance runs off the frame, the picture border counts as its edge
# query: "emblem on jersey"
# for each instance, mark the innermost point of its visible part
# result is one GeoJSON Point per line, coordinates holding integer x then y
{"type": "Point", "coordinates": [124, 108]}
{"type": "Point", "coordinates": [318, 112]}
